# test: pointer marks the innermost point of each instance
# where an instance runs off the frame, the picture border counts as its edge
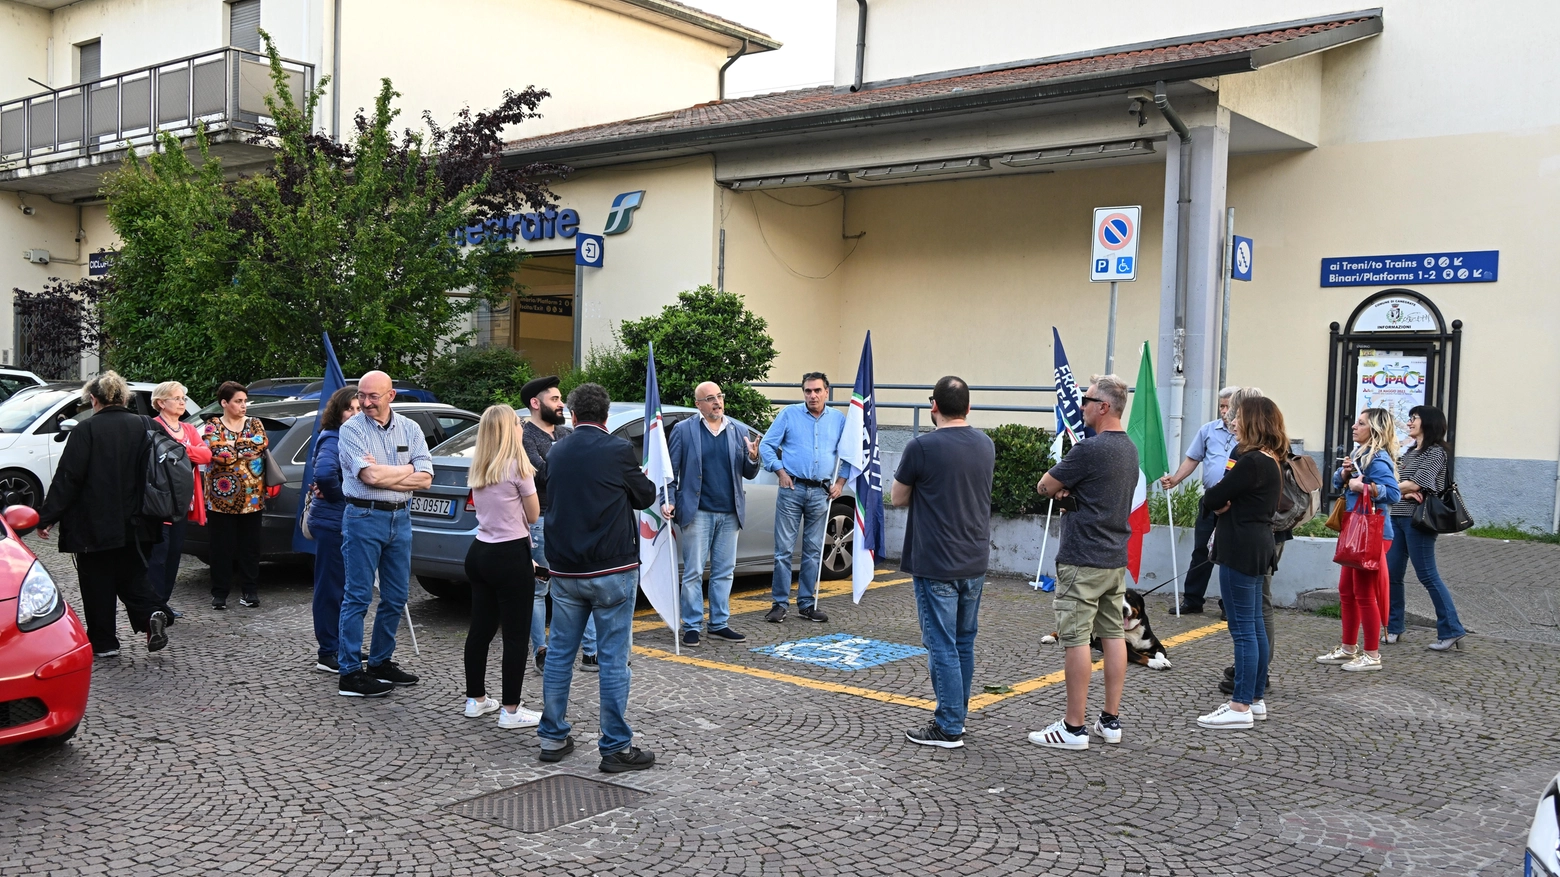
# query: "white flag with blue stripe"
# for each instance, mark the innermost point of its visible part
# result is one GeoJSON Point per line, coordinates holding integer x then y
{"type": "Point", "coordinates": [862, 468]}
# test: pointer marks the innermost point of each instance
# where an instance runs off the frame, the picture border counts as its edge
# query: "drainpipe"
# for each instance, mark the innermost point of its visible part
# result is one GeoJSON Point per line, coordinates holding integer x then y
{"type": "Point", "coordinates": [1183, 222]}
{"type": "Point", "coordinates": [335, 72]}
{"type": "Point", "coordinates": [861, 42]}
{"type": "Point", "coordinates": [721, 88]}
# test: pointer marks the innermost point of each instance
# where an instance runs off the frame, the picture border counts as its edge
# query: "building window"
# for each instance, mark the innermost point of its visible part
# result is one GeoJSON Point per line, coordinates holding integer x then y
{"type": "Point", "coordinates": [90, 58]}
{"type": "Point", "coordinates": [244, 24]}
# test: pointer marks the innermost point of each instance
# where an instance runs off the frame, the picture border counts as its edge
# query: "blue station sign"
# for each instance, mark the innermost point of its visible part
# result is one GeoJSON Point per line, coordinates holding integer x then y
{"type": "Point", "coordinates": [1474, 266]}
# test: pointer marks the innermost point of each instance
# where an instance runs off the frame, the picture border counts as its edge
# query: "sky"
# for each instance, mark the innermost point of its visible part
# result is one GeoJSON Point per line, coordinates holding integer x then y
{"type": "Point", "coordinates": [806, 27]}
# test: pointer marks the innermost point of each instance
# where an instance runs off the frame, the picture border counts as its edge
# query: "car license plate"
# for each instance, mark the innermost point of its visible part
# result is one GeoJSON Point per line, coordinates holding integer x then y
{"type": "Point", "coordinates": [427, 505]}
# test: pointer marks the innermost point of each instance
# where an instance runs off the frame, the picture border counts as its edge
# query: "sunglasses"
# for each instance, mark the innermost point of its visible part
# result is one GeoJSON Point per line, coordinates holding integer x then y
{"type": "Point", "coordinates": [1087, 399]}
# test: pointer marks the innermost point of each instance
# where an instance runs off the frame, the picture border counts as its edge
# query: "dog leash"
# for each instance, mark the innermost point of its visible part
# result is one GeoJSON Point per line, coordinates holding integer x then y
{"type": "Point", "coordinates": [1178, 578]}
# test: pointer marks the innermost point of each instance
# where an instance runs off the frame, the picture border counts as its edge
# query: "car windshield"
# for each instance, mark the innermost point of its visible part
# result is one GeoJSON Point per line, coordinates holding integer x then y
{"type": "Point", "coordinates": [463, 445]}
{"type": "Point", "coordinates": [23, 410]}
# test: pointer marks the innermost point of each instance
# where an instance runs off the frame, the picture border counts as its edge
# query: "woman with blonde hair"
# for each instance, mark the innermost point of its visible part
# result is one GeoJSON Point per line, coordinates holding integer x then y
{"type": "Point", "coordinates": [1371, 468]}
{"type": "Point", "coordinates": [162, 567]}
{"type": "Point", "coordinates": [499, 565]}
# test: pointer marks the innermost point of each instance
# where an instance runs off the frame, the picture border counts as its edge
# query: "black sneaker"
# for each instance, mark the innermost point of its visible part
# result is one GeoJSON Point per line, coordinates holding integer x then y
{"type": "Point", "coordinates": [157, 632]}
{"type": "Point", "coordinates": [728, 635]}
{"type": "Point", "coordinates": [634, 759]}
{"type": "Point", "coordinates": [931, 735]}
{"type": "Point", "coordinates": [1229, 673]}
{"type": "Point", "coordinates": [392, 673]}
{"type": "Point", "coordinates": [219, 605]}
{"type": "Point", "coordinates": [776, 613]}
{"type": "Point", "coordinates": [249, 602]}
{"type": "Point", "coordinates": [359, 684]}
{"type": "Point", "coordinates": [1189, 609]}
{"type": "Point", "coordinates": [690, 639]}
{"type": "Point", "coordinates": [813, 613]}
{"type": "Point", "coordinates": [552, 755]}
{"type": "Point", "coordinates": [541, 659]}
{"type": "Point", "coordinates": [327, 664]}
{"type": "Point", "coordinates": [590, 664]}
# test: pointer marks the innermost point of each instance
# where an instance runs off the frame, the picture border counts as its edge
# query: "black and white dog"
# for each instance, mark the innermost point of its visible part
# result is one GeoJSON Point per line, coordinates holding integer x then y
{"type": "Point", "coordinates": [1143, 648]}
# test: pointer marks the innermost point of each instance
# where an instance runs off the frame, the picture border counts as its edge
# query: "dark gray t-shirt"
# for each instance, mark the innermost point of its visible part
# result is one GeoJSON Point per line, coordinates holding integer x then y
{"type": "Point", "coordinates": [948, 533]}
{"type": "Point", "coordinates": [1102, 473]}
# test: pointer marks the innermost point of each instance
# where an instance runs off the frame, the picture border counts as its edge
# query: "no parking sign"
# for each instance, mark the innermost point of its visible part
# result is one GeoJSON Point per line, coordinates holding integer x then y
{"type": "Point", "coordinates": [1115, 244]}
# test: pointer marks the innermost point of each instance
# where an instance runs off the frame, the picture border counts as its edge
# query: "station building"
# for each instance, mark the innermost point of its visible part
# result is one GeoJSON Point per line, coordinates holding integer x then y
{"type": "Point", "coordinates": [1397, 170]}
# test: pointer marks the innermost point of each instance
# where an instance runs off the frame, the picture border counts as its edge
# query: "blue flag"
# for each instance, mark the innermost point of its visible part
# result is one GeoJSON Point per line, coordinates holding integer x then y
{"type": "Point", "coordinates": [861, 465]}
{"type": "Point", "coordinates": [334, 381]}
{"type": "Point", "coordinates": [1069, 398]}
{"type": "Point", "coordinates": [658, 576]}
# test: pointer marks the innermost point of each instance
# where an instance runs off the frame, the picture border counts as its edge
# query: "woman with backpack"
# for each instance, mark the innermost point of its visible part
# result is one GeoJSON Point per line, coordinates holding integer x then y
{"type": "Point", "coordinates": [235, 496]}
{"type": "Point", "coordinates": [1422, 471]}
{"type": "Point", "coordinates": [325, 508]}
{"type": "Point", "coordinates": [1244, 501]}
{"type": "Point", "coordinates": [162, 567]}
{"type": "Point", "coordinates": [1371, 469]}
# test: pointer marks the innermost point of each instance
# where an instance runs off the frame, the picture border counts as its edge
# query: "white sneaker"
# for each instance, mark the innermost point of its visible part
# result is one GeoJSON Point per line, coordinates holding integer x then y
{"type": "Point", "coordinates": [1259, 710]}
{"type": "Point", "coordinates": [520, 718]}
{"type": "Point", "coordinates": [1225, 718]}
{"type": "Point", "coordinates": [476, 708]}
{"type": "Point", "coordinates": [1111, 732]}
{"type": "Point", "coordinates": [1362, 662]}
{"type": "Point", "coordinates": [1340, 655]}
{"type": "Point", "coordinates": [1058, 737]}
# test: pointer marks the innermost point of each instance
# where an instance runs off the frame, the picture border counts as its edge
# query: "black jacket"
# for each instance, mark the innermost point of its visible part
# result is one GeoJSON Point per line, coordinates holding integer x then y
{"type": "Point", "coordinates": [97, 487]}
{"type": "Point", "coordinates": [1243, 540]}
{"type": "Point", "coordinates": [594, 486]}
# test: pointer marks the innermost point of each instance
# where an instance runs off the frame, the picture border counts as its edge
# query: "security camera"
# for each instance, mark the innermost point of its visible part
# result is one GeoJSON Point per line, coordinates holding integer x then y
{"type": "Point", "coordinates": [27, 211]}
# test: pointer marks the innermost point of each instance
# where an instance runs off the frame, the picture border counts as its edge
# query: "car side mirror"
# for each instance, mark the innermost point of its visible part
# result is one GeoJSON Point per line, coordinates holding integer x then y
{"type": "Point", "coordinates": [23, 519]}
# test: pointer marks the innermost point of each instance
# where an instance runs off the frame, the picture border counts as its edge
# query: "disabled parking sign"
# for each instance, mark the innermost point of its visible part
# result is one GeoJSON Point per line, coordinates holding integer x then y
{"type": "Point", "coordinates": [841, 651]}
{"type": "Point", "coordinates": [1115, 244]}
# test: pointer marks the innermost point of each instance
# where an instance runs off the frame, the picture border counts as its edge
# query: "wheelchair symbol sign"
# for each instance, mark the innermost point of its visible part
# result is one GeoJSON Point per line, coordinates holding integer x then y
{"type": "Point", "coordinates": [841, 651]}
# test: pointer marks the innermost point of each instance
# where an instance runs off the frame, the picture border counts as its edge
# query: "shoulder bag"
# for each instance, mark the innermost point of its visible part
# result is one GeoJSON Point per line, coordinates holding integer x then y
{"type": "Point", "coordinates": [1444, 512]}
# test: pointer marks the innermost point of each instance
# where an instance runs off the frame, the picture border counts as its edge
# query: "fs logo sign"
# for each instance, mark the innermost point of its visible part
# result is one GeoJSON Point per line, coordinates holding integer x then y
{"type": "Point", "coordinates": [621, 216]}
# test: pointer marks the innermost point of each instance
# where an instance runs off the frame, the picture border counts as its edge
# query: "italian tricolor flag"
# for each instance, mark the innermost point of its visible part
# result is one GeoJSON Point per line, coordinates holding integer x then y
{"type": "Point", "coordinates": [1146, 428]}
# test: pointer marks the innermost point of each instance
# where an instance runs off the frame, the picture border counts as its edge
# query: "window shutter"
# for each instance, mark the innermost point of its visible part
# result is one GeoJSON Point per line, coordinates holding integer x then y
{"type": "Point", "coordinates": [244, 26]}
{"type": "Point", "coordinates": [91, 61]}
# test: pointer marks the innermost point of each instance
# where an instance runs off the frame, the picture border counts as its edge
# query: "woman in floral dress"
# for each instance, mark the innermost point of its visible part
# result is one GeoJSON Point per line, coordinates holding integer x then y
{"type": "Point", "coordinates": [235, 496]}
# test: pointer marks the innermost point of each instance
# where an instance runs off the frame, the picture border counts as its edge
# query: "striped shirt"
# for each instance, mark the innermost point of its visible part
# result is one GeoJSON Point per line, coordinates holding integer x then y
{"type": "Point", "coordinates": [397, 443]}
{"type": "Point", "coordinates": [1425, 468]}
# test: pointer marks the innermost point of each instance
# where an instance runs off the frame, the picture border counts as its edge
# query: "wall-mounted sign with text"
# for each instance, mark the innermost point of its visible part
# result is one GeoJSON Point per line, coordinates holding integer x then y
{"type": "Point", "coordinates": [552, 306]}
{"type": "Point", "coordinates": [98, 263]}
{"type": "Point", "coordinates": [1476, 266]}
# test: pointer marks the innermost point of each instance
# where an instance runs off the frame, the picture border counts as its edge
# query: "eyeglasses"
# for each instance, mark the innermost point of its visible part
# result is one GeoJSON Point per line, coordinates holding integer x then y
{"type": "Point", "coordinates": [370, 397]}
{"type": "Point", "coordinates": [179, 399]}
{"type": "Point", "coordinates": [721, 397]}
{"type": "Point", "coordinates": [1087, 399]}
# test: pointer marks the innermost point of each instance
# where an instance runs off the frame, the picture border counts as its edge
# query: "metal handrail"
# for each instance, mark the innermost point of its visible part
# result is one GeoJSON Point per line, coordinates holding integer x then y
{"type": "Point", "coordinates": [217, 88]}
{"type": "Point", "coordinates": [915, 407]}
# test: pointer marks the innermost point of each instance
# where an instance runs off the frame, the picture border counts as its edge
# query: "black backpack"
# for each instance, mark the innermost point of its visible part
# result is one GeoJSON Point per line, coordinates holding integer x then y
{"type": "Point", "coordinates": [170, 479]}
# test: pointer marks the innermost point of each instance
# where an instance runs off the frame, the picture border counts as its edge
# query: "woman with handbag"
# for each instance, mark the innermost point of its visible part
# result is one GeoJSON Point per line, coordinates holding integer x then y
{"type": "Point", "coordinates": [1362, 590]}
{"type": "Point", "coordinates": [235, 496]}
{"type": "Point", "coordinates": [323, 516]}
{"type": "Point", "coordinates": [1244, 501]}
{"type": "Point", "coordinates": [162, 565]}
{"type": "Point", "coordinates": [1421, 474]}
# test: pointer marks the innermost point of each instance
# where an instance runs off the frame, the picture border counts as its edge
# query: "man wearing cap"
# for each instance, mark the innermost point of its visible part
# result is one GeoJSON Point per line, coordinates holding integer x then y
{"type": "Point", "coordinates": [542, 429]}
{"type": "Point", "coordinates": [801, 448]}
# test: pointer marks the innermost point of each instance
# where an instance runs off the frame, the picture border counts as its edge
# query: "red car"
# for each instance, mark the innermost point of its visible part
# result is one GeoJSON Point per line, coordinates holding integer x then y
{"type": "Point", "coordinates": [45, 658]}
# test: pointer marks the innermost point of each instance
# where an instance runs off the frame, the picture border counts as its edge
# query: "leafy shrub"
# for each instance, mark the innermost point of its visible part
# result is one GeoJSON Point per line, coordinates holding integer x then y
{"type": "Point", "coordinates": [1188, 499]}
{"type": "Point", "coordinates": [475, 377]}
{"type": "Point", "coordinates": [1317, 526]}
{"type": "Point", "coordinates": [1023, 455]}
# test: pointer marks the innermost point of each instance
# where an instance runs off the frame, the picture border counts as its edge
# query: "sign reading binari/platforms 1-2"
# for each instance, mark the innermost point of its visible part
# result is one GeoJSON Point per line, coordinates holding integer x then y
{"type": "Point", "coordinates": [1476, 266]}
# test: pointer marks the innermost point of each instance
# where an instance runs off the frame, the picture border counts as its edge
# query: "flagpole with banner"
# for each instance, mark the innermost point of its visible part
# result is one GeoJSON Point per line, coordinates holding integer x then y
{"type": "Point", "coordinates": [333, 382]}
{"type": "Point", "coordinates": [862, 467]}
{"type": "Point", "coordinates": [1146, 428]}
{"type": "Point", "coordinates": [657, 552]}
{"type": "Point", "coordinates": [1069, 423]}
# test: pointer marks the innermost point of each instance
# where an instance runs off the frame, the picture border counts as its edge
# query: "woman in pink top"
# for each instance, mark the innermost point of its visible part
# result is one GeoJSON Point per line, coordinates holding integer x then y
{"type": "Point", "coordinates": [499, 565]}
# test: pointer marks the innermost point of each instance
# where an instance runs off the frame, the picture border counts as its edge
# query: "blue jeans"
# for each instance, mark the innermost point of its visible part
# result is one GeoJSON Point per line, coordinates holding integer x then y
{"type": "Point", "coordinates": [373, 541]}
{"type": "Point", "coordinates": [1419, 547]}
{"type": "Point", "coordinates": [539, 607]}
{"type": "Point", "coordinates": [330, 575]}
{"type": "Point", "coordinates": [806, 508]}
{"type": "Point", "coordinates": [712, 537]}
{"type": "Point", "coordinates": [162, 565]}
{"type": "Point", "coordinates": [609, 601]}
{"type": "Point", "coordinates": [949, 612]}
{"type": "Point", "coordinates": [1241, 596]}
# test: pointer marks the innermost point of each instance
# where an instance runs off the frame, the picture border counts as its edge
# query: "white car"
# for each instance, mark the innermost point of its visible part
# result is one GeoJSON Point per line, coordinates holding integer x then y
{"type": "Point", "coordinates": [14, 379]}
{"type": "Point", "coordinates": [1543, 845]}
{"type": "Point", "coordinates": [31, 439]}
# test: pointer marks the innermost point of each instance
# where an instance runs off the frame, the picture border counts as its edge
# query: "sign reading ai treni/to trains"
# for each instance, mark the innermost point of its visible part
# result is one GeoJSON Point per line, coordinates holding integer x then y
{"type": "Point", "coordinates": [1476, 266]}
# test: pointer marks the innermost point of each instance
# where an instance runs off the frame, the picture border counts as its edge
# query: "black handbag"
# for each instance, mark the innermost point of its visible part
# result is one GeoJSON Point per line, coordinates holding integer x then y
{"type": "Point", "coordinates": [1442, 513]}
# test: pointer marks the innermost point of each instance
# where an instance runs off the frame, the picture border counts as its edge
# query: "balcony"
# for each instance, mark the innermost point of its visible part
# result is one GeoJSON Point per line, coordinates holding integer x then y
{"type": "Point", "coordinates": [60, 144]}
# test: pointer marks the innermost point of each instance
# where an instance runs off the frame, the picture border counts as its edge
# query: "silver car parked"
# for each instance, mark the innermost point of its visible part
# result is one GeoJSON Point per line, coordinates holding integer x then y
{"type": "Point", "coordinates": [444, 521]}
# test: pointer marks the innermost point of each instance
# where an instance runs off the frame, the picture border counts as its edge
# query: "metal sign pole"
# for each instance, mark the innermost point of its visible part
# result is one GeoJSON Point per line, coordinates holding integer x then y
{"type": "Point", "coordinates": [579, 315]}
{"type": "Point", "coordinates": [1110, 337]}
{"type": "Point", "coordinates": [1229, 270]}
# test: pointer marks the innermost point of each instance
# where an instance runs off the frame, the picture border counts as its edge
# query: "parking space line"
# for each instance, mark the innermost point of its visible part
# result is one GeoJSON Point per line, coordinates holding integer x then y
{"type": "Point", "coordinates": [802, 681]}
{"type": "Point", "coordinates": [648, 620]}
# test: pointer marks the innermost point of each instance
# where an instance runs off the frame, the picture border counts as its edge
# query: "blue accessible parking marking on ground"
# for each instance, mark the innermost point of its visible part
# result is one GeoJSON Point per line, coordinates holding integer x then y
{"type": "Point", "coordinates": [841, 651]}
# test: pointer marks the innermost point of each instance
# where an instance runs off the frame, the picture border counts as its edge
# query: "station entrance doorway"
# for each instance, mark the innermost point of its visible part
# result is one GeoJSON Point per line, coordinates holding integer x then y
{"type": "Point", "coordinates": [538, 320]}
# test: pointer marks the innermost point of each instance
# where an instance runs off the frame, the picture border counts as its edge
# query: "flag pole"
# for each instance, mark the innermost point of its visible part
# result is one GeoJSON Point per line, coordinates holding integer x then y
{"type": "Point", "coordinates": [676, 576]}
{"type": "Point", "coordinates": [1044, 541]}
{"type": "Point", "coordinates": [1175, 565]}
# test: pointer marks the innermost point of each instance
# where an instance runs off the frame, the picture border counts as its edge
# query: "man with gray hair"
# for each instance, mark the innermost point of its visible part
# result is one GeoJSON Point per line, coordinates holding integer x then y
{"type": "Point", "coordinates": [1212, 447]}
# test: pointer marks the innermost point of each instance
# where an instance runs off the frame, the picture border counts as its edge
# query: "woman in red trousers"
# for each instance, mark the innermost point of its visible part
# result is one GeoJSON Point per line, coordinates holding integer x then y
{"type": "Point", "coordinates": [1370, 470]}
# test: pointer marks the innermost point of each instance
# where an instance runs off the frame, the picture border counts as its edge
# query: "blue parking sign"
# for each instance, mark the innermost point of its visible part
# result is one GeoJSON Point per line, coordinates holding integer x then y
{"type": "Point", "coordinates": [1123, 264]}
{"type": "Point", "coordinates": [1101, 266]}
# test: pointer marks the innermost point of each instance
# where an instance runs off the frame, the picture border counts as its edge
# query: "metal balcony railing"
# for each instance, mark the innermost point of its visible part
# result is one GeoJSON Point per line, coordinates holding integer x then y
{"type": "Point", "coordinates": [225, 88]}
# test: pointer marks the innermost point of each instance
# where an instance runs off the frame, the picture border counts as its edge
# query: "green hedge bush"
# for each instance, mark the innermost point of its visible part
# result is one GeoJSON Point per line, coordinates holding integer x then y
{"type": "Point", "coordinates": [1188, 499]}
{"type": "Point", "coordinates": [475, 377]}
{"type": "Point", "coordinates": [1023, 455]}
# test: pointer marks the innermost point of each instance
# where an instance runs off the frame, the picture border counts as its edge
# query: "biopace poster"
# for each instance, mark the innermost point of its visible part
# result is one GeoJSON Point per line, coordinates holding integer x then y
{"type": "Point", "coordinates": [1392, 381]}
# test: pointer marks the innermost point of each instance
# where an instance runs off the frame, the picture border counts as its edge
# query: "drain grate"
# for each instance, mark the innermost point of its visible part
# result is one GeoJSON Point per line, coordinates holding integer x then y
{"type": "Point", "coordinates": [547, 803]}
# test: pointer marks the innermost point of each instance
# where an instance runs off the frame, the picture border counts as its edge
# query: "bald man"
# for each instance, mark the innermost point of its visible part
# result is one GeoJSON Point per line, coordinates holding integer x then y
{"type": "Point", "coordinates": [711, 456]}
{"type": "Point", "coordinates": [384, 457]}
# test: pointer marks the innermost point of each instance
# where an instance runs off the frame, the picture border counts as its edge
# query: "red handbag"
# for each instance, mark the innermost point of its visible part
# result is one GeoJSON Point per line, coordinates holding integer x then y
{"type": "Point", "coordinates": [1361, 544]}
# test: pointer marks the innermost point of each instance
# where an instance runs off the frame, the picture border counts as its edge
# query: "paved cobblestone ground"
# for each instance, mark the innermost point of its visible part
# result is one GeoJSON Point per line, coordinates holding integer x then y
{"type": "Point", "coordinates": [227, 753]}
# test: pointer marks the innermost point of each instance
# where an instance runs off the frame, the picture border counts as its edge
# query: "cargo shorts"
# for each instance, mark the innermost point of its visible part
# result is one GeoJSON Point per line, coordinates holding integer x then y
{"type": "Point", "coordinates": [1088, 603]}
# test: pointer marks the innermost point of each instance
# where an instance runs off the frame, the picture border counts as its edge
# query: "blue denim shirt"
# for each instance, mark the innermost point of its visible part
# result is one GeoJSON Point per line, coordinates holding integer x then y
{"type": "Point", "coordinates": [801, 444]}
{"type": "Point", "coordinates": [1212, 447]}
{"type": "Point", "coordinates": [1379, 471]}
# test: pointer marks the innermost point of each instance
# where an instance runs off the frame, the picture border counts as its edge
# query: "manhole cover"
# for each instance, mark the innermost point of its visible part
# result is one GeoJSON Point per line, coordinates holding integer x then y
{"type": "Point", "coordinates": [547, 803]}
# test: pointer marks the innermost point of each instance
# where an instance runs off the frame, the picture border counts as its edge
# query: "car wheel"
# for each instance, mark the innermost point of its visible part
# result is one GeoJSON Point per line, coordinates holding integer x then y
{"type": "Point", "coordinates": [445, 589]}
{"type": "Point", "coordinates": [24, 485]}
{"type": "Point", "coordinates": [839, 541]}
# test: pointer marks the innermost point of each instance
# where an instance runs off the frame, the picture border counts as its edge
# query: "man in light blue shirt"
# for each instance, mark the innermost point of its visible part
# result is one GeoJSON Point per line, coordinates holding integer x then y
{"type": "Point", "coordinates": [1212, 447]}
{"type": "Point", "coordinates": [801, 449]}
